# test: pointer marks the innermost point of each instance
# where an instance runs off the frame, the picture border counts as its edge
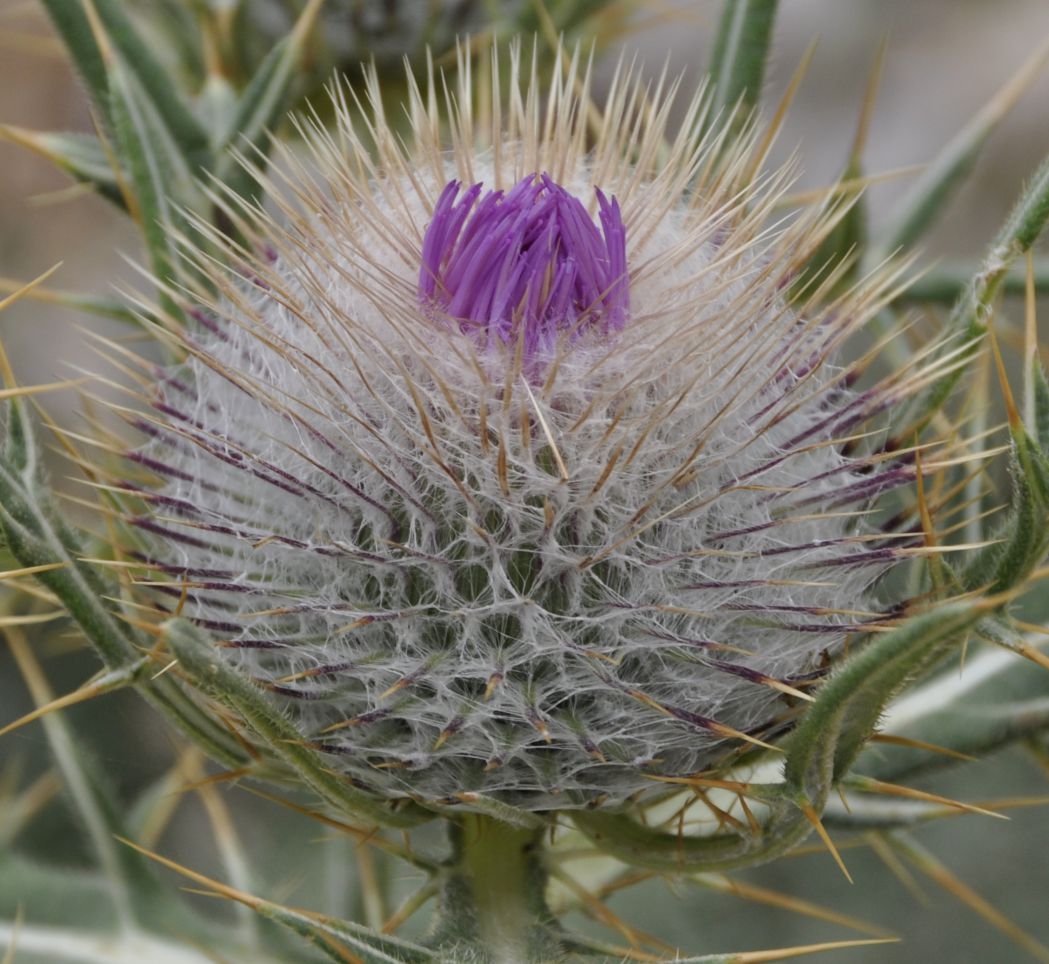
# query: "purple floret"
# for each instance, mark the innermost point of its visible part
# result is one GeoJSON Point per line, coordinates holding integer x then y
{"type": "Point", "coordinates": [526, 264]}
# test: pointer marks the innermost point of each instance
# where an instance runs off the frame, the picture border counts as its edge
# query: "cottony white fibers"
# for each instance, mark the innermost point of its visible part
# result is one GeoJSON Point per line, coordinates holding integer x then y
{"type": "Point", "coordinates": [547, 579]}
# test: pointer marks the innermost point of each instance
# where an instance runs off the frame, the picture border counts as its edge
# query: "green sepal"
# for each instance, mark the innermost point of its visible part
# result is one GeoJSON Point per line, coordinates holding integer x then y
{"type": "Point", "coordinates": [496, 809]}
{"type": "Point", "coordinates": [19, 452]}
{"type": "Point", "coordinates": [741, 52]}
{"type": "Point", "coordinates": [200, 661]}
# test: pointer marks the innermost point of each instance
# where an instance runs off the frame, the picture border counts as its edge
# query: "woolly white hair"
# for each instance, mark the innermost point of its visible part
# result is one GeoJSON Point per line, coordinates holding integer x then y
{"type": "Point", "coordinates": [456, 577]}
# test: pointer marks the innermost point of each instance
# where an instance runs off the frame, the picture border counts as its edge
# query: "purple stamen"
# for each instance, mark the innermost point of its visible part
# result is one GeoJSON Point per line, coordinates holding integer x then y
{"type": "Point", "coordinates": [527, 265]}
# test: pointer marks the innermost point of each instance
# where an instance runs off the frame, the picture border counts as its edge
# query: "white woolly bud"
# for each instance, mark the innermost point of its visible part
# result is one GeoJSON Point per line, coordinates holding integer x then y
{"type": "Point", "coordinates": [548, 578]}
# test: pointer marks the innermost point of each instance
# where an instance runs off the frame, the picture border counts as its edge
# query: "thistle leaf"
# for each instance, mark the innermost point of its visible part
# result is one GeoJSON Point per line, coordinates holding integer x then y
{"type": "Point", "coordinates": [782, 953]}
{"type": "Point", "coordinates": [995, 700]}
{"type": "Point", "coordinates": [946, 283]}
{"type": "Point", "coordinates": [839, 723]}
{"type": "Point", "coordinates": [263, 103]}
{"type": "Point", "coordinates": [72, 23]}
{"type": "Point", "coordinates": [341, 940]}
{"type": "Point", "coordinates": [1025, 537]}
{"type": "Point", "coordinates": [131, 882]}
{"type": "Point", "coordinates": [56, 895]}
{"type": "Point", "coordinates": [624, 838]}
{"type": "Point", "coordinates": [969, 318]}
{"type": "Point", "coordinates": [90, 945]}
{"type": "Point", "coordinates": [740, 54]}
{"type": "Point", "coordinates": [34, 530]}
{"type": "Point", "coordinates": [948, 170]}
{"type": "Point", "coordinates": [79, 23]}
{"type": "Point", "coordinates": [344, 941]}
{"type": "Point", "coordinates": [75, 301]}
{"type": "Point", "coordinates": [848, 234]}
{"type": "Point", "coordinates": [154, 171]}
{"type": "Point", "coordinates": [80, 155]}
{"type": "Point", "coordinates": [198, 659]}
{"type": "Point", "coordinates": [1040, 387]}
{"type": "Point", "coordinates": [178, 23]}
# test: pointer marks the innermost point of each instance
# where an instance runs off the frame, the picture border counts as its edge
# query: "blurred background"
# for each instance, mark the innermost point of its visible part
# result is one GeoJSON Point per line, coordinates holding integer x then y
{"type": "Point", "coordinates": [945, 59]}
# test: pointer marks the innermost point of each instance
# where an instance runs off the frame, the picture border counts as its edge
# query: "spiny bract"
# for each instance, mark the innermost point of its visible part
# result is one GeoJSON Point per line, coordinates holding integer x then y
{"type": "Point", "coordinates": [464, 557]}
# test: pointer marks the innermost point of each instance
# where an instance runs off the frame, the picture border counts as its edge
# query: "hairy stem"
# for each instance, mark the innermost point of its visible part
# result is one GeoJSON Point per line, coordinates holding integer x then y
{"type": "Point", "coordinates": [492, 905]}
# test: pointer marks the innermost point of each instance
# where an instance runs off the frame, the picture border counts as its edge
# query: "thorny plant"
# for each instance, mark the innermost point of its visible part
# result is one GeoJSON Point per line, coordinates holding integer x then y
{"type": "Point", "coordinates": [523, 466]}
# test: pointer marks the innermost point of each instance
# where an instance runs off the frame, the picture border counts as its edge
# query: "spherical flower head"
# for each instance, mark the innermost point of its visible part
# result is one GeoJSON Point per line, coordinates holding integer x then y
{"type": "Point", "coordinates": [514, 469]}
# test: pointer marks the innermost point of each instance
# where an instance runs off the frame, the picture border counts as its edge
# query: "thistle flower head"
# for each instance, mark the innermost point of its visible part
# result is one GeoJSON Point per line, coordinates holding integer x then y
{"type": "Point", "coordinates": [512, 468]}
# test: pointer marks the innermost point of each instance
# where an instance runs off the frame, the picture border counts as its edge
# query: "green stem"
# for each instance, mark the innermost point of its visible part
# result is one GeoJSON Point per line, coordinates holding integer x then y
{"type": "Point", "coordinates": [493, 909]}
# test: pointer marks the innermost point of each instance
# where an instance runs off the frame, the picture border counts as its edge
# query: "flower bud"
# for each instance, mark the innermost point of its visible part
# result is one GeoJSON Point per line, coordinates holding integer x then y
{"type": "Point", "coordinates": [514, 469]}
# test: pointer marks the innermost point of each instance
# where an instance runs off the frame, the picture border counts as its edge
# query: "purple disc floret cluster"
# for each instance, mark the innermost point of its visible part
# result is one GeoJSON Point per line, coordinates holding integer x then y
{"type": "Point", "coordinates": [527, 265]}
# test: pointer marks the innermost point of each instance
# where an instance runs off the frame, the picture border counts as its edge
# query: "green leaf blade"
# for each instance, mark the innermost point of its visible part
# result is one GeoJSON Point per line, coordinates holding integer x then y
{"type": "Point", "coordinates": [741, 51]}
{"type": "Point", "coordinates": [262, 105]}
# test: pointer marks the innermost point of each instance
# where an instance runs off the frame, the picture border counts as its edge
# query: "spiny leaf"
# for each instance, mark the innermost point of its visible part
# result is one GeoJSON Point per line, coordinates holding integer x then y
{"type": "Point", "coordinates": [969, 318]}
{"type": "Point", "coordinates": [836, 727]}
{"type": "Point", "coordinates": [160, 86]}
{"type": "Point", "coordinates": [724, 884]}
{"type": "Point", "coordinates": [72, 23]}
{"type": "Point", "coordinates": [91, 945]}
{"type": "Point", "coordinates": [198, 659]}
{"type": "Point", "coordinates": [80, 155]}
{"type": "Point", "coordinates": [740, 54]}
{"type": "Point", "coordinates": [263, 104]}
{"type": "Point", "coordinates": [935, 869]}
{"type": "Point", "coordinates": [131, 882]}
{"type": "Point", "coordinates": [69, 896]}
{"type": "Point", "coordinates": [153, 170]}
{"type": "Point", "coordinates": [1041, 405]}
{"type": "Point", "coordinates": [341, 940]}
{"type": "Point", "coordinates": [995, 699]}
{"type": "Point", "coordinates": [622, 837]}
{"type": "Point", "coordinates": [782, 953]}
{"type": "Point", "coordinates": [37, 536]}
{"type": "Point", "coordinates": [76, 301]}
{"type": "Point", "coordinates": [927, 198]}
{"type": "Point", "coordinates": [848, 235]}
{"type": "Point", "coordinates": [947, 282]}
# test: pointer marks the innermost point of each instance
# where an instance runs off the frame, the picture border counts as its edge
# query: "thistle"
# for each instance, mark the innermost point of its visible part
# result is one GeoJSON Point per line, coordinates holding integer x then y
{"type": "Point", "coordinates": [514, 467]}
{"type": "Point", "coordinates": [516, 470]}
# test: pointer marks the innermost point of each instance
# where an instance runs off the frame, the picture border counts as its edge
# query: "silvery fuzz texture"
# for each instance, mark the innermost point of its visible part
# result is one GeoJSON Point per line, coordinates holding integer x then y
{"type": "Point", "coordinates": [542, 546]}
